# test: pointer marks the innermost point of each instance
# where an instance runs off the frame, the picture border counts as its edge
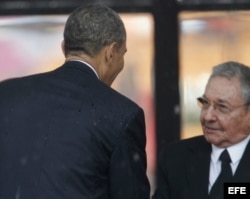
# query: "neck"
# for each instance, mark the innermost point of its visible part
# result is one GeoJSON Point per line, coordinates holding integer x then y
{"type": "Point", "coordinates": [81, 57]}
{"type": "Point", "coordinates": [95, 62]}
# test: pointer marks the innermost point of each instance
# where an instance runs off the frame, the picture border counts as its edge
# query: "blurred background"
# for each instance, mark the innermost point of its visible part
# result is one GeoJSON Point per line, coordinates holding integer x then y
{"type": "Point", "coordinates": [172, 47]}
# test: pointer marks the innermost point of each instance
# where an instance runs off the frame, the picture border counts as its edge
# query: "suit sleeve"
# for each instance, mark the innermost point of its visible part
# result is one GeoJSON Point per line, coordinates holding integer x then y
{"type": "Point", "coordinates": [128, 179]}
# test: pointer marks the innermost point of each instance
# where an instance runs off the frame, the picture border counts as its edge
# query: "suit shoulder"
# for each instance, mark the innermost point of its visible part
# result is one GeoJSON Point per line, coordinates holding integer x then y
{"type": "Point", "coordinates": [180, 152]}
{"type": "Point", "coordinates": [197, 140]}
{"type": "Point", "coordinates": [185, 145]}
{"type": "Point", "coordinates": [116, 98]}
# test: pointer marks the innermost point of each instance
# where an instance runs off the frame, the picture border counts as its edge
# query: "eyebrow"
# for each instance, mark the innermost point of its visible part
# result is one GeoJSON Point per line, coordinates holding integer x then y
{"type": "Point", "coordinates": [222, 101]}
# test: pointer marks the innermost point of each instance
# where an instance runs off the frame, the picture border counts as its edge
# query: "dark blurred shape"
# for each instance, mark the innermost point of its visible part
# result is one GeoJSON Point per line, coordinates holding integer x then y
{"type": "Point", "coordinates": [10, 7]}
{"type": "Point", "coordinates": [213, 4]}
{"type": "Point", "coordinates": [194, 2]}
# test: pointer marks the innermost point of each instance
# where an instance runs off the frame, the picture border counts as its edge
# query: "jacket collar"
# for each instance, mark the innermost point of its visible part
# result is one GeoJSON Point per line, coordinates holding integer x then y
{"type": "Point", "coordinates": [81, 67]}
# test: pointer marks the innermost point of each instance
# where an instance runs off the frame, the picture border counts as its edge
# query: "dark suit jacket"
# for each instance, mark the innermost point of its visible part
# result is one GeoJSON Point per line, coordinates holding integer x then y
{"type": "Point", "coordinates": [66, 135]}
{"type": "Point", "coordinates": [184, 170]}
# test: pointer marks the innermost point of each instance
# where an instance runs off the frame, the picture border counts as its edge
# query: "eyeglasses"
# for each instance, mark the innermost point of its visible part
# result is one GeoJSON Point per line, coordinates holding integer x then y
{"type": "Point", "coordinates": [220, 108]}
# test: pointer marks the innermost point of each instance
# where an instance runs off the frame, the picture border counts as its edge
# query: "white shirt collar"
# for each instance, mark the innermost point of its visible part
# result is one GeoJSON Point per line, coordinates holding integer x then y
{"type": "Point", "coordinates": [91, 67]}
{"type": "Point", "coordinates": [236, 151]}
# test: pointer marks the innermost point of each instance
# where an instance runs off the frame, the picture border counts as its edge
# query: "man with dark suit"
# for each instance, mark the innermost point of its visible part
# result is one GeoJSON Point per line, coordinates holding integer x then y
{"type": "Point", "coordinates": [66, 134]}
{"type": "Point", "coordinates": [194, 168]}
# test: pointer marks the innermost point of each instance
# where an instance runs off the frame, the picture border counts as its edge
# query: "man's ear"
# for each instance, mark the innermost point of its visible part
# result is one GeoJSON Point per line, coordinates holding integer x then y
{"type": "Point", "coordinates": [110, 51]}
{"type": "Point", "coordinates": [63, 47]}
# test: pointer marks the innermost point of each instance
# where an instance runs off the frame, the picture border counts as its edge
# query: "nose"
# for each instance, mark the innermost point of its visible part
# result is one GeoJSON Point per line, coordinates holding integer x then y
{"type": "Point", "coordinates": [209, 114]}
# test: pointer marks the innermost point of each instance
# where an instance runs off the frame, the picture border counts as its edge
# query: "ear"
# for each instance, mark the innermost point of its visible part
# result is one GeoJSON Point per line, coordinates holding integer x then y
{"type": "Point", "coordinates": [63, 47]}
{"type": "Point", "coordinates": [110, 51]}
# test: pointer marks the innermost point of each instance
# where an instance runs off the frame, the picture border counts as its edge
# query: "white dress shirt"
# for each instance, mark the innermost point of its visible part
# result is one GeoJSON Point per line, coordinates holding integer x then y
{"type": "Point", "coordinates": [235, 151]}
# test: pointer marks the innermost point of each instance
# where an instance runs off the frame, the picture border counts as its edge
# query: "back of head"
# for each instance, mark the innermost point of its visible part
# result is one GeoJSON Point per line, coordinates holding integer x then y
{"type": "Point", "coordinates": [91, 27]}
{"type": "Point", "coordinates": [235, 69]}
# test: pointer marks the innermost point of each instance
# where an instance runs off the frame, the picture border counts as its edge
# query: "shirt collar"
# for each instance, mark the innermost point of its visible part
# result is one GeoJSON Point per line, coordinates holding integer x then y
{"type": "Point", "coordinates": [236, 151]}
{"type": "Point", "coordinates": [91, 67]}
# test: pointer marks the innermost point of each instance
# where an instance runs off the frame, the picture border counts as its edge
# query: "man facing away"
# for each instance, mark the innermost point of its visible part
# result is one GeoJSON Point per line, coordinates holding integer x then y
{"type": "Point", "coordinates": [195, 168]}
{"type": "Point", "coordinates": [66, 134]}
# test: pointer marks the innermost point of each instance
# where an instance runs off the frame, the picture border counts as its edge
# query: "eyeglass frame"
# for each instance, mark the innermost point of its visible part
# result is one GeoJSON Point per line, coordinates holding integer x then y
{"type": "Point", "coordinates": [218, 107]}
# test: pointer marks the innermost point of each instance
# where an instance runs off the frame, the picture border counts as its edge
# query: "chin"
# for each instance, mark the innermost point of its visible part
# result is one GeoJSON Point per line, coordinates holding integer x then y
{"type": "Point", "coordinates": [217, 141]}
{"type": "Point", "coordinates": [212, 138]}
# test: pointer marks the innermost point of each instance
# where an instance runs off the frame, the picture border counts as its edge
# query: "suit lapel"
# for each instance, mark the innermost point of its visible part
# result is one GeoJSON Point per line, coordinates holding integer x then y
{"type": "Point", "coordinates": [242, 173]}
{"type": "Point", "coordinates": [198, 170]}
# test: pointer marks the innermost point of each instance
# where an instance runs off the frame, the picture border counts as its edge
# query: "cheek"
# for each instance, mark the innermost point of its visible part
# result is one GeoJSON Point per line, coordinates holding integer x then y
{"type": "Point", "coordinates": [236, 125]}
{"type": "Point", "coordinates": [120, 64]}
{"type": "Point", "coordinates": [243, 123]}
{"type": "Point", "coordinates": [122, 61]}
{"type": "Point", "coordinates": [117, 68]}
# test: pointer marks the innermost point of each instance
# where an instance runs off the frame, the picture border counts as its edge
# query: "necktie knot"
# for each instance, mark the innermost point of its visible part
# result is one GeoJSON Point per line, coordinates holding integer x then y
{"type": "Point", "coordinates": [225, 157]}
